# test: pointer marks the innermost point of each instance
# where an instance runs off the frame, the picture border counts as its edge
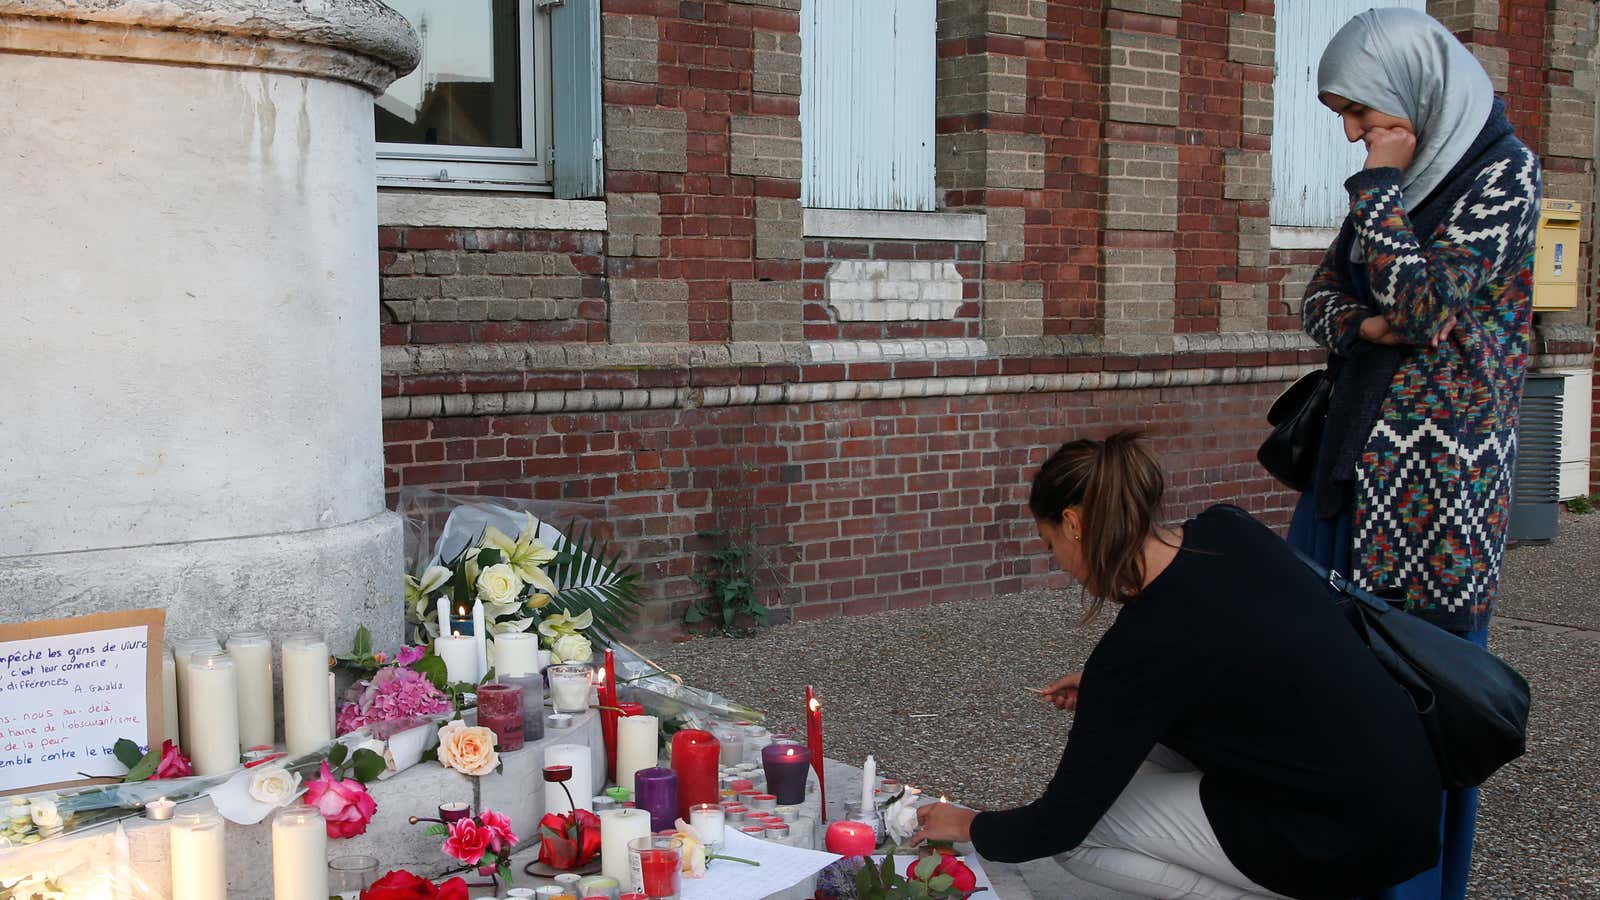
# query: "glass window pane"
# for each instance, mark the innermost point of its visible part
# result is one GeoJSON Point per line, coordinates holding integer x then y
{"type": "Point", "coordinates": [466, 91]}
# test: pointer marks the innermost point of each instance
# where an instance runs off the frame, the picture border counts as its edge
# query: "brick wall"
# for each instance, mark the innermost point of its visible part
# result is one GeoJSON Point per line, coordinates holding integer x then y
{"type": "Point", "coordinates": [880, 401]}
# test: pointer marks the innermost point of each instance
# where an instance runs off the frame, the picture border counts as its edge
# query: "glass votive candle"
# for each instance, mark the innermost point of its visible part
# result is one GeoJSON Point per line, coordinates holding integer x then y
{"type": "Point", "coordinates": [500, 711]}
{"type": "Point", "coordinates": [656, 862]}
{"type": "Point", "coordinates": [569, 688]}
{"type": "Point", "coordinates": [348, 876]}
{"type": "Point", "coordinates": [709, 820]}
{"type": "Point", "coordinates": [599, 886]}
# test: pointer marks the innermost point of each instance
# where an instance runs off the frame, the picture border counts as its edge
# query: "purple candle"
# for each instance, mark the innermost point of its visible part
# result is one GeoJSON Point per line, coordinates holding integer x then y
{"type": "Point", "coordinates": [657, 791]}
{"type": "Point", "coordinates": [786, 766]}
{"type": "Point", "coordinates": [500, 711]}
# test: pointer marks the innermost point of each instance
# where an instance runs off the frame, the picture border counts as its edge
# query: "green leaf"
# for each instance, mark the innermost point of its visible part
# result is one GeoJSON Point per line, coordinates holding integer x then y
{"type": "Point", "coordinates": [127, 752]}
{"type": "Point", "coordinates": [489, 556]}
{"type": "Point", "coordinates": [925, 867]}
{"type": "Point", "coordinates": [363, 644]}
{"type": "Point", "coordinates": [613, 599]}
{"type": "Point", "coordinates": [438, 830]}
{"type": "Point", "coordinates": [693, 614]}
{"type": "Point", "coordinates": [144, 768]}
{"type": "Point", "coordinates": [888, 868]}
{"type": "Point", "coordinates": [336, 756]}
{"type": "Point", "coordinates": [433, 668]}
{"type": "Point", "coordinates": [368, 765]}
{"type": "Point", "coordinates": [940, 883]}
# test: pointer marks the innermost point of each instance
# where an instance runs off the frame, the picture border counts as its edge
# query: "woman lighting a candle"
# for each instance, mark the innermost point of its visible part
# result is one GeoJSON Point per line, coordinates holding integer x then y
{"type": "Point", "coordinates": [1233, 736]}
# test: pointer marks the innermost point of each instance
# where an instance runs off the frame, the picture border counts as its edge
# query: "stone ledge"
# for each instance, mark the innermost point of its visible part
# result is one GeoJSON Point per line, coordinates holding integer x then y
{"type": "Point", "coordinates": [895, 226]}
{"type": "Point", "coordinates": [1292, 237]}
{"type": "Point", "coordinates": [433, 209]}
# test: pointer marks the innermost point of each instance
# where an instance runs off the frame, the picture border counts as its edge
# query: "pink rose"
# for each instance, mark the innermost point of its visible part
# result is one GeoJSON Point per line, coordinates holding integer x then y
{"type": "Point", "coordinates": [501, 837]}
{"type": "Point", "coordinates": [345, 805]}
{"type": "Point", "coordinates": [173, 763]}
{"type": "Point", "coordinates": [468, 841]}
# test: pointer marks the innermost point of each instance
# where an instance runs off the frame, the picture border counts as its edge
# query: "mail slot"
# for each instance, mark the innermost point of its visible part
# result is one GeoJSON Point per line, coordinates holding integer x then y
{"type": "Point", "coordinates": [1557, 261]}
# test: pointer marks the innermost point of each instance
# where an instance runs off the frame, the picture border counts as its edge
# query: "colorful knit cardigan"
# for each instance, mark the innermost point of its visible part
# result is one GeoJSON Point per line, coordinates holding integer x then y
{"type": "Point", "coordinates": [1432, 500]}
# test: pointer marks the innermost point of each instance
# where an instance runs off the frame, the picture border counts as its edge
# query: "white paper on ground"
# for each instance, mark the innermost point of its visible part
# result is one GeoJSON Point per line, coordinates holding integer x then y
{"type": "Point", "coordinates": [781, 868]}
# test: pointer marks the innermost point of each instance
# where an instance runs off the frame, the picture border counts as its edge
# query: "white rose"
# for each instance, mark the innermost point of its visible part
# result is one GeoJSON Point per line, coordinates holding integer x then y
{"type": "Point", "coordinates": [499, 584]}
{"type": "Point", "coordinates": [44, 813]}
{"type": "Point", "coordinates": [900, 819]}
{"type": "Point", "coordinates": [572, 648]}
{"type": "Point", "coordinates": [274, 786]}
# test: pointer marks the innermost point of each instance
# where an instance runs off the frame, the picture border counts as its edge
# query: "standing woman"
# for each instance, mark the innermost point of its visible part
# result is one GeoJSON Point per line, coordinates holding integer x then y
{"type": "Point", "coordinates": [1424, 304]}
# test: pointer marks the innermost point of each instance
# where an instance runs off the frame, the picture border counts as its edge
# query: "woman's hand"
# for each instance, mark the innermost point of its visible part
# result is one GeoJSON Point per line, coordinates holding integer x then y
{"type": "Point", "coordinates": [943, 822]}
{"type": "Point", "coordinates": [1378, 330]}
{"type": "Point", "coordinates": [1063, 692]}
{"type": "Point", "coordinates": [1389, 147]}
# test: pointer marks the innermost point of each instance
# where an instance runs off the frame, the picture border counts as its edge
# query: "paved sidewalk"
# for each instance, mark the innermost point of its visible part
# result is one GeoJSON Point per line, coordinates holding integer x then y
{"type": "Point", "coordinates": [937, 695]}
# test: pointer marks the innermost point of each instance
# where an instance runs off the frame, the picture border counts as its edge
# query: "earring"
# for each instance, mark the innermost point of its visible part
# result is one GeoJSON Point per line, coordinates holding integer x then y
{"type": "Point", "coordinates": [1074, 537]}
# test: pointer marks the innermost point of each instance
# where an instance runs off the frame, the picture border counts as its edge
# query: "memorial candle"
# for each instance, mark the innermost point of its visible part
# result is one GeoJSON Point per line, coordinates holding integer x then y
{"type": "Point", "coordinates": [694, 758]}
{"type": "Point", "coordinates": [181, 651]}
{"type": "Point", "coordinates": [617, 828]}
{"type": "Point", "coordinates": [500, 711]}
{"type": "Point", "coordinates": [657, 863]}
{"type": "Point", "coordinates": [638, 746]}
{"type": "Point", "coordinates": [814, 744]}
{"type": "Point", "coordinates": [516, 653]}
{"type": "Point", "coordinates": [532, 701]}
{"type": "Point", "coordinates": [786, 766]}
{"type": "Point", "coordinates": [851, 839]}
{"type": "Point", "coordinates": [306, 724]}
{"type": "Point", "coordinates": [709, 820]}
{"type": "Point", "coordinates": [569, 688]}
{"type": "Point", "coordinates": [608, 712]}
{"type": "Point", "coordinates": [580, 759]}
{"type": "Point", "coordinates": [656, 790]}
{"type": "Point", "coordinates": [169, 698]}
{"type": "Point", "coordinates": [299, 854]}
{"type": "Point", "coordinates": [199, 857]}
{"type": "Point", "coordinates": [480, 640]}
{"type": "Point", "coordinates": [214, 741]}
{"type": "Point", "coordinates": [252, 664]}
{"type": "Point", "coordinates": [460, 655]}
{"type": "Point", "coordinates": [869, 774]}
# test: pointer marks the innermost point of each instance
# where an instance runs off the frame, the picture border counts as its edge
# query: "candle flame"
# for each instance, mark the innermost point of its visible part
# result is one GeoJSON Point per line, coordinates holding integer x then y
{"type": "Point", "coordinates": [815, 704]}
{"type": "Point", "coordinates": [454, 633]}
{"type": "Point", "coordinates": [943, 799]}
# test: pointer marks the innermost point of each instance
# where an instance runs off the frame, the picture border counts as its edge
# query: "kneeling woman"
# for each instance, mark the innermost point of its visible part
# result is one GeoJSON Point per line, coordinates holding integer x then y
{"type": "Point", "coordinates": [1233, 737]}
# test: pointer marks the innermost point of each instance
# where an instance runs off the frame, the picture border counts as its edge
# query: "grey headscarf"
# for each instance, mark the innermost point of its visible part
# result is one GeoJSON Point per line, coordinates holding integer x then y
{"type": "Point", "coordinates": [1404, 63]}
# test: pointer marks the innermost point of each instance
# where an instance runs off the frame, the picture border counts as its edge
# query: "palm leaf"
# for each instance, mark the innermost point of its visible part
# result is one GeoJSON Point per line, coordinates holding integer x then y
{"type": "Point", "coordinates": [591, 576]}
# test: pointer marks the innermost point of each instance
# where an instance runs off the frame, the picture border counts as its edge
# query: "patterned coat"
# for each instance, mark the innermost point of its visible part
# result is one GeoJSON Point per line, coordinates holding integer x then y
{"type": "Point", "coordinates": [1432, 500]}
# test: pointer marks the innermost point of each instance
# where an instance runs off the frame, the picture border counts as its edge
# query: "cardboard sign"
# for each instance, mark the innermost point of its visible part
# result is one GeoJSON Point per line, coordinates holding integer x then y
{"type": "Point", "coordinates": [69, 689]}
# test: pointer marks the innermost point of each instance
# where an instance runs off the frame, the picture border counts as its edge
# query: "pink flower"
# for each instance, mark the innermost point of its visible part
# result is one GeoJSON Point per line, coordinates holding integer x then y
{"type": "Point", "coordinates": [409, 655]}
{"type": "Point", "coordinates": [173, 763]}
{"type": "Point", "coordinates": [393, 693]}
{"type": "Point", "coordinates": [501, 837]}
{"type": "Point", "coordinates": [468, 841]}
{"type": "Point", "coordinates": [345, 805]}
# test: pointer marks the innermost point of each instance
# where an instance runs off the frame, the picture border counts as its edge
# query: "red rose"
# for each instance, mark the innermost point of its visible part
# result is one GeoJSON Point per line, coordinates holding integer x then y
{"type": "Point", "coordinates": [173, 763]}
{"type": "Point", "coordinates": [570, 840]}
{"type": "Point", "coordinates": [468, 841]}
{"type": "Point", "coordinates": [963, 881]}
{"type": "Point", "coordinates": [402, 885]}
{"type": "Point", "coordinates": [345, 805]}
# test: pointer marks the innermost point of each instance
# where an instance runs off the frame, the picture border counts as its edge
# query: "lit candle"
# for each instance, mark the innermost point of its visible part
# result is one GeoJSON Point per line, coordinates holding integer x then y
{"type": "Point", "coordinates": [516, 654]}
{"type": "Point", "coordinates": [851, 839]}
{"type": "Point", "coordinates": [869, 774]}
{"type": "Point", "coordinates": [656, 790]}
{"type": "Point", "coordinates": [569, 688]}
{"type": "Point", "coordinates": [694, 758]}
{"type": "Point", "coordinates": [181, 651]}
{"type": "Point", "coordinates": [299, 854]}
{"type": "Point", "coordinates": [708, 819]}
{"type": "Point", "coordinates": [169, 698]}
{"type": "Point", "coordinates": [199, 857]}
{"type": "Point", "coordinates": [480, 639]}
{"type": "Point", "coordinates": [638, 747]}
{"type": "Point", "coordinates": [581, 759]}
{"type": "Point", "coordinates": [252, 664]}
{"type": "Point", "coordinates": [454, 811]}
{"type": "Point", "coordinates": [213, 690]}
{"type": "Point", "coordinates": [607, 695]}
{"type": "Point", "coordinates": [617, 828]}
{"type": "Point", "coordinates": [786, 766]}
{"type": "Point", "coordinates": [460, 655]}
{"type": "Point", "coordinates": [305, 694]}
{"type": "Point", "coordinates": [159, 809]}
{"type": "Point", "coordinates": [814, 744]}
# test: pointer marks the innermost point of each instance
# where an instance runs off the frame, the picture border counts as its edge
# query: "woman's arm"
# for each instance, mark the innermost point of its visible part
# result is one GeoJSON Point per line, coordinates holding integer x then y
{"type": "Point", "coordinates": [1330, 312]}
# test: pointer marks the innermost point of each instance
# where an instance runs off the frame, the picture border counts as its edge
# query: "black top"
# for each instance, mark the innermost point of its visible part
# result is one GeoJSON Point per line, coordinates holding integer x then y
{"type": "Point", "coordinates": [1317, 776]}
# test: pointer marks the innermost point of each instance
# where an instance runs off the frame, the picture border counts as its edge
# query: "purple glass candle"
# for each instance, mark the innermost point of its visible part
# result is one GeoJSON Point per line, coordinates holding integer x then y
{"type": "Point", "coordinates": [786, 766]}
{"type": "Point", "coordinates": [657, 791]}
{"type": "Point", "coordinates": [500, 711]}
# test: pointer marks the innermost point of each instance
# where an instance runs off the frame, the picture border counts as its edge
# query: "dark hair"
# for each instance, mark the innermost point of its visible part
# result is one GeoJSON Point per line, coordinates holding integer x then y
{"type": "Point", "coordinates": [1117, 486]}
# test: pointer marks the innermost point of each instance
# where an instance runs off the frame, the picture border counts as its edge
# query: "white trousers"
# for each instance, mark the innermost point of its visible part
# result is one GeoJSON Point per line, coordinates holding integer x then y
{"type": "Point", "coordinates": [1155, 841]}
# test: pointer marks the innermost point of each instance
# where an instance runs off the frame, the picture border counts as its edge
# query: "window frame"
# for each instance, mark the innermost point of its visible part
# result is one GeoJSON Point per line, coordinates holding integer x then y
{"type": "Point", "coordinates": [526, 168]}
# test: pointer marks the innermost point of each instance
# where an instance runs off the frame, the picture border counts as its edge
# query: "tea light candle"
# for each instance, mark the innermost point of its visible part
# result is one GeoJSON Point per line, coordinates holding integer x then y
{"type": "Point", "coordinates": [516, 653]}
{"type": "Point", "coordinates": [617, 828]}
{"type": "Point", "coordinates": [851, 839]}
{"type": "Point", "coordinates": [307, 725]}
{"type": "Point", "coordinates": [299, 853]}
{"type": "Point", "coordinates": [199, 857]}
{"type": "Point", "coordinates": [252, 663]}
{"type": "Point", "coordinates": [600, 885]}
{"type": "Point", "coordinates": [460, 655]}
{"type": "Point", "coordinates": [181, 651]}
{"type": "Point", "coordinates": [638, 745]}
{"type": "Point", "coordinates": [656, 790]}
{"type": "Point", "coordinates": [214, 746]}
{"type": "Point", "coordinates": [569, 688]}
{"type": "Point", "coordinates": [581, 759]}
{"type": "Point", "coordinates": [454, 812]}
{"type": "Point", "coordinates": [169, 698]}
{"type": "Point", "coordinates": [709, 820]}
{"type": "Point", "coordinates": [764, 802]}
{"type": "Point", "coordinates": [500, 711]}
{"type": "Point", "coordinates": [694, 758]}
{"type": "Point", "coordinates": [159, 809]}
{"type": "Point", "coordinates": [786, 767]}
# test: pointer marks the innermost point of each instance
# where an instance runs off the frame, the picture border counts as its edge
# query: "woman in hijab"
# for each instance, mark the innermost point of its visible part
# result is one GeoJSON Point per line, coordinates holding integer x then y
{"type": "Point", "coordinates": [1424, 304]}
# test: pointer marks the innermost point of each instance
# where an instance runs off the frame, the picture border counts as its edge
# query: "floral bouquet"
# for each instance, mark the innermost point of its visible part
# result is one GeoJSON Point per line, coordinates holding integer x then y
{"type": "Point", "coordinates": [937, 874]}
{"type": "Point", "coordinates": [397, 691]}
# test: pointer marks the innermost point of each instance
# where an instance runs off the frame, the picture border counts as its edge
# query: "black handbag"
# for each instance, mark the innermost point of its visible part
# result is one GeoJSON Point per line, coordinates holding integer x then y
{"type": "Point", "coordinates": [1297, 418]}
{"type": "Point", "coordinates": [1473, 705]}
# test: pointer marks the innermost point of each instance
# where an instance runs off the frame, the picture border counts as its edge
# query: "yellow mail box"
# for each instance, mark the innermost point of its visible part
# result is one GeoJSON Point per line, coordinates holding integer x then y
{"type": "Point", "coordinates": [1556, 262]}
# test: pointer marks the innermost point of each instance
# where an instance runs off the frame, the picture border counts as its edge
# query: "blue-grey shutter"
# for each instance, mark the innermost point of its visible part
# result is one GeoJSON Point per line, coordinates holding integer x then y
{"type": "Point", "coordinates": [575, 98]}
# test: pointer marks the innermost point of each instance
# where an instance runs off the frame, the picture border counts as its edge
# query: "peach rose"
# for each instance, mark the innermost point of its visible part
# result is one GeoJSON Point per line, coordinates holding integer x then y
{"type": "Point", "coordinates": [469, 751]}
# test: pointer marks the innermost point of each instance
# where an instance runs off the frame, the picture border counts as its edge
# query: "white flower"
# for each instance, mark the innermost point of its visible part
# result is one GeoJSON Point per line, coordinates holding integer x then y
{"type": "Point", "coordinates": [693, 850]}
{"type": "Point", "coordinates": [44, 813]}
{"type": "Point", "coordinates": [499, 585]}
{"type": "Point", "coordinates": [572, 648]}
{"type": "Point", "coordinates": [274, 785]}
{"type": "Point", "coordinates": [900, 819]}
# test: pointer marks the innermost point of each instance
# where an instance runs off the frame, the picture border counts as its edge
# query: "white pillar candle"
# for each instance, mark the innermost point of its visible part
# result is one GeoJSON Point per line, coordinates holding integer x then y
{"type": "Point", "coordinates": [252, 665]}
{"type": "Point", "coordinates": [708, 819]}
{"type": "Point", "coordinates": [444, 617]}
{"type": "Point", "coordinates": [617, 828]}
{"type": "Point", "coordinates": [581, 758]}
{"type": "Point", "coordinates": [169, 698]}
{"type": "Point", "coordinates": [299, 854]}
{"type": "Point", "coordinates": [181, 651]}
{"type": "Point", "coordinates": [869, 774]}
{"type": "Point", "coordinates": [214, 695]}
{"type": "Point", "coordinates": [460, 657]}
{"type": "Point", "coordinates": [516, 654]}
{"type": "Point", "coordinates": [638, 744]}
{"type": "Point", "coordinates": [480, 640]}
{"type": "Point", "coordinates": [305, 694]}
{"type": "Point", "coordinates": [199, 857]}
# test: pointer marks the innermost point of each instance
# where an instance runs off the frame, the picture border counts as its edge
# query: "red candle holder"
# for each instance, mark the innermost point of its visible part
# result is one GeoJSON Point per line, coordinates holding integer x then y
{"type": "Point", "coordinates": [657, 863]}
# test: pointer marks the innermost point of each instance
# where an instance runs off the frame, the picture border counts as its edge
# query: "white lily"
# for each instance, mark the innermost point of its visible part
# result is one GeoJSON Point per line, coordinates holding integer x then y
{"type": "Point", "coordinates": [526, 555]}
{"type": "Point", "coordinates": [558, 624]}
{"type": "Point", "coordinates": [511, 626]}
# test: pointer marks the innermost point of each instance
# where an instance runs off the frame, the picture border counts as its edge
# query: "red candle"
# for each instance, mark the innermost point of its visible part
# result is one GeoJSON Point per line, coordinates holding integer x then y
{"type": "Point", "coordinates": [851, 839]}
{"type": "Point", "coordinates": [694, 758]}
{"type": "Point", "coordinates": [657, 870]}
{"type": "Point", "coordinates": [608, 713]}
{"type": "Point", "coordinates": [814, 744]}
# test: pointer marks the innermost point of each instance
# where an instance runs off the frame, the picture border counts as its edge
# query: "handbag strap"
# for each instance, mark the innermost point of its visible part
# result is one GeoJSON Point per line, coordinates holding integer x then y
{"type": "Point", "coordinates": [1337, 582]}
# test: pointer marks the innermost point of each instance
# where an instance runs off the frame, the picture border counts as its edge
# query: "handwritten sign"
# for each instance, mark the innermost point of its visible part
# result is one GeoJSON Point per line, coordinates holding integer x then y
{"type": "Point", "coordinates": [69, 689]}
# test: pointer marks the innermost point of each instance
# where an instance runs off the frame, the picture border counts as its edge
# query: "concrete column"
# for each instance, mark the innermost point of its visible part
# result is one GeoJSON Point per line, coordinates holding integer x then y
{"type": "Point", "coordinates": [191, 400]}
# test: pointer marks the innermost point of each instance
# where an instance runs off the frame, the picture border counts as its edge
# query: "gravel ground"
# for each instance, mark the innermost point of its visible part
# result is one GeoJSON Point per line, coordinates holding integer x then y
{"type": "Point", "coordinates": [956, 719]}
